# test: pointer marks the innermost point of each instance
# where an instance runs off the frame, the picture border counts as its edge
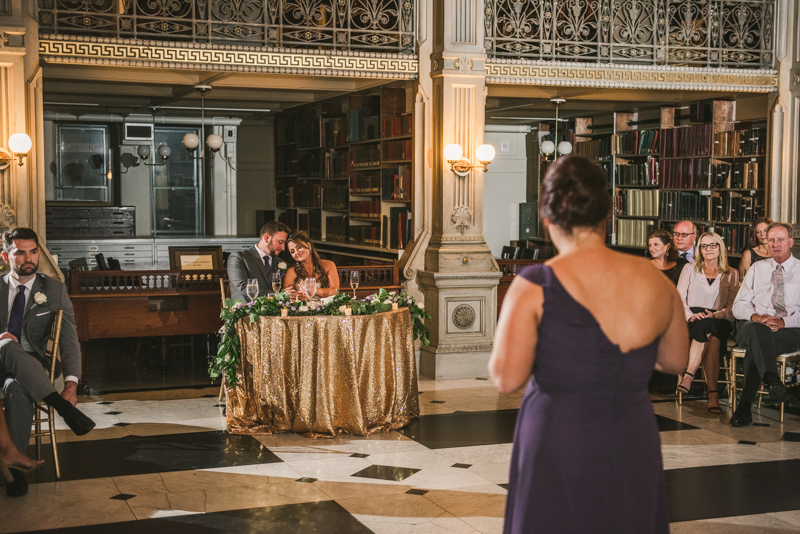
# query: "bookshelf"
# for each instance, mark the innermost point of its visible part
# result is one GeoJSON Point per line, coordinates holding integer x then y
{"type": "Point", "coordinates": [344, 170]}
{"type": "Point", "coordinates": [711, 171]}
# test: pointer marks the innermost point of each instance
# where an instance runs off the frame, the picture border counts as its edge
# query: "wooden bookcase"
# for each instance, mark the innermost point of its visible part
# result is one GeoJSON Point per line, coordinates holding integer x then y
{"type": "Point", "coordinates": [343, 170]}
{"type": "Point", "coordinates": [711, 171]}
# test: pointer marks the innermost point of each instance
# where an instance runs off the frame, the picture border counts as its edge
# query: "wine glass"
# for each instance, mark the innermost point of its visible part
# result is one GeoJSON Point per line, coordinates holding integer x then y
{"type": "Point", "coordinates": [354, 281]}
{"type": "Point", "coordinates": [276, 282]}
{"type": "Point", "coordinates": [252, 289]}
{"type": "Point", "coordinates": [311, 287]}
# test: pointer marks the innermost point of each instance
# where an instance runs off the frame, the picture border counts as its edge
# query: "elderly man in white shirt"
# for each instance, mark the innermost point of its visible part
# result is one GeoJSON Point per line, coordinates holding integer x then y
{"type": "Point", "coordinates": [768, 304]}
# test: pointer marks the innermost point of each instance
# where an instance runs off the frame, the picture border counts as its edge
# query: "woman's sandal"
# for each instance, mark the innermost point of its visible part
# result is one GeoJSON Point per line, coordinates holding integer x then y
{"type": "Point", "coordinates": [685, 389]}
{"type": "Point", "coordinates": [714, 409]}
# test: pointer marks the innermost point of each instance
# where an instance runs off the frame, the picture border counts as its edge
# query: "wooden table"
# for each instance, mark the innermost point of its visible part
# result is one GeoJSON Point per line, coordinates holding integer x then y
{"type": "Point", "coordinates": [115, 304]}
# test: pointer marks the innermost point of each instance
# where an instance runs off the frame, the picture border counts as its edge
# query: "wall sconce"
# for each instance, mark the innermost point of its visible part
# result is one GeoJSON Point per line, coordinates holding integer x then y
{"type": "Point", "coordinates": [163, 150]}
{"type": "Point", "coordinates": [19, 145]}
{"type": "Point", "coordinates": [460, 165]}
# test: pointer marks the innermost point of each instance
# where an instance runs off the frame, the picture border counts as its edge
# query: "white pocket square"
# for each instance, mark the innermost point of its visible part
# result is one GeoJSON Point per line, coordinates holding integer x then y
{"type": "Point", "coordinates": [43, 313]}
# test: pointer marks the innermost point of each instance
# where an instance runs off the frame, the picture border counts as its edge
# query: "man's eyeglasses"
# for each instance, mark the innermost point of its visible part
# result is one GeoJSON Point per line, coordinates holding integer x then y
{"type": "Point", "coordinates": [707, 246]}
{"type": "Point", "coordinates": [678, 234]}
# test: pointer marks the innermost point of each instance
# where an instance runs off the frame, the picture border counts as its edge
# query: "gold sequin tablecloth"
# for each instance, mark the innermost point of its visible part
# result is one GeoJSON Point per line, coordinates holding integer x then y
{"type": "Point", "coordinates": [325, 374]}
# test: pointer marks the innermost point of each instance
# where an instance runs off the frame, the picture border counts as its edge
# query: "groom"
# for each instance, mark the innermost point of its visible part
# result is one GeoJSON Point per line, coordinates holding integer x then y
{"type": "Point", "coordinates": [258, 262]}
{"type": "Point", "coordinates": [28, 305]}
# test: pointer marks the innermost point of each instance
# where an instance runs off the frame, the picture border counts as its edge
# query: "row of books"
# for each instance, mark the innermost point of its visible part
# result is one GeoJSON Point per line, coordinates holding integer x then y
{"type": "Point", "coordinates": [305, 195]}
{"type": "Point", "coordinates": [308, 222]}
{"type": "Point", "coordinates": [365, 156]}
{"type": "Point", "coordinates": [333, 131]}
{"type": "Point", "coordinates": [365, 209]}
{"type": "Point", "coordinates": [641, 142]}
{"type": "Point", "coordinates": [397, 150]}
{"type": "Point", "coordinates": [309, 138]}
{"type": "Point", "coordinates": [335, 198]}
{"type": "Point", "coordinates": [336, 228]}
{"type": "Point", "coordinates": [736, 237]}
{"type": "Point", "coordinates": [396, 183]}
{"type": "Point", "coordinates": [726, 206]}
{"type": "Point", "coordinates": [285, 130]}
{"type": "Point", "coordinates": [687, 141]}
{"type": "Point", "coordinates": [286, 161]}
{"type": "Point", "coordinates": [694, 173]}
{"type": "Point", "coordinates": [397, 126]}
{"type": "Point", "coordinates": [337, 164]}
{"type": "Point", "coordinates": [398, 226]}
{"type": "Point", "coordinates": [633, 232]}
{"type": "Point", "coordinates": [740, 175]}
{"type": "Point", "coordinates": [308, 165]}
{"type": "Point", "coordinates": [368, 236]}
{"type": "Point", "coordinates": [362, 125]}
{"type": "Point", "coordinates": [365, 183]}
{"type": "Point", "coordinates": [741, 143]}
{"type": "Point", "coordinates": [595, 149]}
{"type": "Point", "coordinates": [646, 173]}
{"type": "Point", "coordinates": [637, 203]}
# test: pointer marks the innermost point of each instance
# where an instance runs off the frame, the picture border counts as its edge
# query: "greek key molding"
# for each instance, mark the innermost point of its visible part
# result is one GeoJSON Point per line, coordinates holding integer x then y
{"type": "Point", "coordinates": [119, 52]}
{"type": "Point", "coordinates": [525, 72]}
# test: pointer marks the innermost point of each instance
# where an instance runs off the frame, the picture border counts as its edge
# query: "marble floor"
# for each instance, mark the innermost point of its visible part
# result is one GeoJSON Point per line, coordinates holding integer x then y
{"type": "Point", "coordinates": [160, 461]}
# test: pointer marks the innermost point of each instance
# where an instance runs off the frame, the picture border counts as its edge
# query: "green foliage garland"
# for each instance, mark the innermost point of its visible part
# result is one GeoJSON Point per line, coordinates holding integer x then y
{"type": "Point", "coordinates": [227, 358]}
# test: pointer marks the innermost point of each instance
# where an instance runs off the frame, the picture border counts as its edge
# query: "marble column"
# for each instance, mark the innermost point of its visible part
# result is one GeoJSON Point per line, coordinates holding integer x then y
{"type": "Point", "coordinates": [460, 275]}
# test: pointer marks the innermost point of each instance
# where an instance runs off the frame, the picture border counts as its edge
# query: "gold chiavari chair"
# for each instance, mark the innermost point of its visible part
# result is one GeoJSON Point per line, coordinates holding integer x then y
{"type": "Point", "coordinates": [783, 361]}
{"type": "Point", "coordinates": [225, 293]}
{"type": "Point", "coordinates": [43, 412]}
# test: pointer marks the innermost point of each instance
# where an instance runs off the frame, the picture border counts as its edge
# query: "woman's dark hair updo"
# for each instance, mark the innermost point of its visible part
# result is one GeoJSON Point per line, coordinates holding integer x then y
{"type": "Point", "coordinates": [574, 194]}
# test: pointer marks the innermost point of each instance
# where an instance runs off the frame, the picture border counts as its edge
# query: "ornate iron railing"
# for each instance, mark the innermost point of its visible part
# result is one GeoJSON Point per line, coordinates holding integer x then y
{"type": "Point", "coordinates": [698, 33]}
{"type": "Point", "coordinates": [371, 25]}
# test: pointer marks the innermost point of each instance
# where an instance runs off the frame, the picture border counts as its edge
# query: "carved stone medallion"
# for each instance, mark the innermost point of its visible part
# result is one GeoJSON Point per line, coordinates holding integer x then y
{"type": "Point", "coordinates": [461, 217]}
{"type": "Point", "coordinates": [464, 316]}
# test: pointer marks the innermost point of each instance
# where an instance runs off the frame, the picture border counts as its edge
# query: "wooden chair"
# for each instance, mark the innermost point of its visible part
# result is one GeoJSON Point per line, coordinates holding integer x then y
{"type": "Point", "coordinates": [530, 254]}
{"type": "Point", "coordinates": [783, 361]}
{"type": "Point", "coordinates": [510, 253]}
{"type": "Point", "coordinates": [43, 412]}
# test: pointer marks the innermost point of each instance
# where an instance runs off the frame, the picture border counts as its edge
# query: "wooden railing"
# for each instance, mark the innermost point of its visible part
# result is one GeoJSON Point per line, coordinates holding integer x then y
{"type": "Point", "coordinates": [118, 283]}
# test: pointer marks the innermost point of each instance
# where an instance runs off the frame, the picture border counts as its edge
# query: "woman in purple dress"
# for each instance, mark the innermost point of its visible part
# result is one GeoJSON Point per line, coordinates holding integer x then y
{"type": "Point", "coordinates": [585, 331]}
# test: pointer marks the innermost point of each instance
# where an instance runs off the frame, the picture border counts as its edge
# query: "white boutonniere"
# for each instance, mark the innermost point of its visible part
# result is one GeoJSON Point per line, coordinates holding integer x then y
{"type": "Point", "coordinates": [282, 266]}
{"type": "Point", "coordinates": [41, 299]}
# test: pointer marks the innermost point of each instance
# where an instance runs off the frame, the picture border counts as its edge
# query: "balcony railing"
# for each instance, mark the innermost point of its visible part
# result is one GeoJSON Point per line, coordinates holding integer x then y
{"type": "Point", "coordinates": [696, 33]}
{"type": "Point", "coordinates": [344, 25]}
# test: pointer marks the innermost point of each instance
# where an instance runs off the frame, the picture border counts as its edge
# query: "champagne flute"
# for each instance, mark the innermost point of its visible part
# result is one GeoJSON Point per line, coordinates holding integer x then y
{"type": "Point", "coordinates": [252, 289]}
{"type": "Point", "coordinates": [354, 281]}
{"type": "Point", "coordinates": [276, 282]}
{"type": "Point", "coordinates": [311, 287]}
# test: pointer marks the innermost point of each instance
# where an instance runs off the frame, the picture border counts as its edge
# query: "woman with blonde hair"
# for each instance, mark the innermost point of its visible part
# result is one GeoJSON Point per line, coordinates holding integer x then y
{"type": "Point", "coordinates": [707, 289]}
{"type": "Point", "coordinates": [309, 265]}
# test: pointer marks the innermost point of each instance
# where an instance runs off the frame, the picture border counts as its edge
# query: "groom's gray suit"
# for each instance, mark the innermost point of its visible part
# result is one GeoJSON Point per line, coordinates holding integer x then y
{"type": "Point", "coordinates": [25, 374]}
{"type": "Point", "coordinates": [245, 265]}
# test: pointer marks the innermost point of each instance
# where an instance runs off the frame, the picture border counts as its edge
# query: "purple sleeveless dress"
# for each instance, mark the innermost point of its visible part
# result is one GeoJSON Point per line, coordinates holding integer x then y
{"type": "Point", "coordinates": [587, 454]}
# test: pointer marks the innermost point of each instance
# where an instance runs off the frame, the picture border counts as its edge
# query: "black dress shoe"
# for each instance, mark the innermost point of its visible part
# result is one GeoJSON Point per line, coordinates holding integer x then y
{"type": "Point", "coordinates": [19, 487]}
{"type": "Point", "coordinates": [741, 418]}
{"type": "Point", "coordinates": [779, 393]}
{"type": "Point", "coordinates": [79, 423]}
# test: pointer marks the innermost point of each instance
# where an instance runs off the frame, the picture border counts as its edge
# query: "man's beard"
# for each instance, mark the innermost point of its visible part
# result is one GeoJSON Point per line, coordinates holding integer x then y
{"type": "Point", "coordinates": [26, 269]}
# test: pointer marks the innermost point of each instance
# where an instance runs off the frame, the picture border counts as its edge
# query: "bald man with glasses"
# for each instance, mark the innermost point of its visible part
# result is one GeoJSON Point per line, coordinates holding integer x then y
{"type": "Point", "coordinates": [683, 235]}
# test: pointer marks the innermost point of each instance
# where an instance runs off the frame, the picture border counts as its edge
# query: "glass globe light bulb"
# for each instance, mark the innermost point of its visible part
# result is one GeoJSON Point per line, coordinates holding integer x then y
{"type": "Point", "coordinates": [20, 143]}
{"type": "Point", "coordinates": [214, 142]}
{"type": "Point", "coordinates": [164, 151]}
{"type": "Point", "coordinates": [190, 141]}
{"type": "Point", "coordinates": [453, 152]}
{"type": "Point", "coordinates": [143, 151]}
{"type": "Point", "coordinates": [548, 147]}
{"type": "Point", "coordinates": [564, 148]}
{"type": "Point", "coordinates": [485, 153]}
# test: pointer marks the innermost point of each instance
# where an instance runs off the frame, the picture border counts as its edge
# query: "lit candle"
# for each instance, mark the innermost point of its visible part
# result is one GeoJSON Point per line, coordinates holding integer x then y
{"type": "Point", "coordinates": [284, 312]}
{"type": "Point", "coordinates": [348, 311]}
{"type": "Point", "coordinates": [394, 306]}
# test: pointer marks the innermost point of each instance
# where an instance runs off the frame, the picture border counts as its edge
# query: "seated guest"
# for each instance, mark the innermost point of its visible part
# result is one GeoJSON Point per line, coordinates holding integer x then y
{"type": "Point", "coordinates": [309, 265]}
{"type": "Point", "coordinates": [768, 306]}
{"type": "Point", "coordinates": [684, 233]}
{"type": "Point", "coordinates": [258, 262]}
{"type": "Point", "coordinates": [759, 247]}
{"type": "Point", "coordinates": [708, 288]}
{"type": "Point", "coordinates": [665, 255]}
{"type": "Point", "coordinates": [32, 300]}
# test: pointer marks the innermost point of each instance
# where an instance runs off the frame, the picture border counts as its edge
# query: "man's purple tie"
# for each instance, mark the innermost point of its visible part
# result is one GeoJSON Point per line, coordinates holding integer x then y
{"type": "Point", "coordinates": [268, 266]}
{"type": "Point", "coordinates": [17, 311]}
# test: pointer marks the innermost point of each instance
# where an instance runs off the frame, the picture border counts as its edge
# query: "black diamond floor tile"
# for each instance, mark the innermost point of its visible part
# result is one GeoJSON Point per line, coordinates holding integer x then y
{"type": "Point", "coordinates": [123, 496]}
{"type": "Point", "coordinates": [358, 455]}
{"type": "Point", "coordinates": [109, 413]}
{"type": "Point", "coordinates": [137, 455]}
{"type": "Point", "coordinates": [743, 442]}
{"type": "Point", "coordinates": [122, 424]}
{"type": "Point", "coordinates": [462, 429]}
{"type": "Point", "coordinates": [732, 490]}
{"type": "Point", "coordinates": [437, 402]}
{"type": "Point", "coordinates": [415, 491]}
{"type": "Point", "coordinates": [106, 402]}
{"type": "Point", "coordinates": [386, 472]}
{"type": "Point", "coordinates": [324, 516]}
{"type": "Point", "coordinates": [504, 486]}
{"type": "Point", "coordinates": [791, 436]}
{"type": "Point", "coordinates": [666, 424]}
{"type": "Point", "coordinates": [462, 466]}
{"type": "Point", "coordinates": [306, 479]}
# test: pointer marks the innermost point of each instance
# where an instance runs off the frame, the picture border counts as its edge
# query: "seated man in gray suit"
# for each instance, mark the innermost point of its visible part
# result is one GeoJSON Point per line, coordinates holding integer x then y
{"type": "Point", "coordinates": [257, 262]}
{"type": "Point", "coordinates": [28, 304]}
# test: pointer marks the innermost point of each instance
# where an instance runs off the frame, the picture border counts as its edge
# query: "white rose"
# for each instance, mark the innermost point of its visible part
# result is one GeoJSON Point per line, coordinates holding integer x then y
{"type": "Point", "coordinates": [40, 298]}
{"type": "Point", "coordinates": [342, 308]}
{"type": "Point", "coordinates": [303, 308]}
{"type": "Point", "coordinates": [282, 266]}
